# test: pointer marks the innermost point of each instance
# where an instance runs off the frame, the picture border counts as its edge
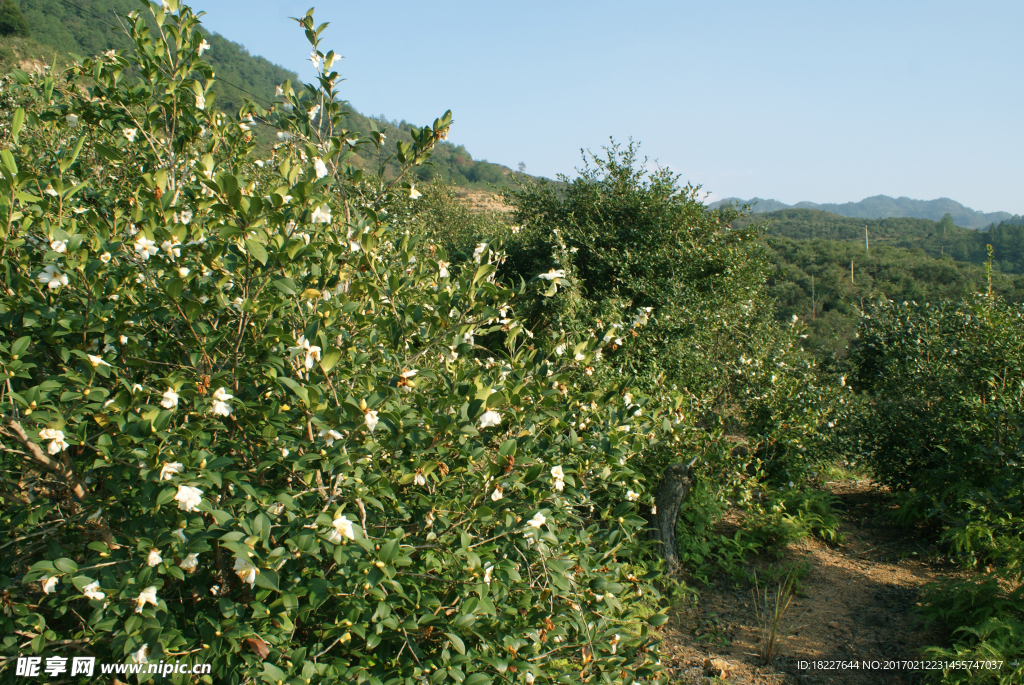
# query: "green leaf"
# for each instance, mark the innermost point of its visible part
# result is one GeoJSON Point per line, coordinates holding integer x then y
{"type": "Point", "coordinates": [17, 121]}
{"type": "Point", "coordinates": [329, 359]}
{"type": "Point", "coordinates": [457, 643]}
{"type": "Point", "coordinates": [268, 579]}
{"type": "Point", "coordinates": [658, 619]}
{"type": "Point", "coordinates": [272, 674]}
{"type": "Point", "coordinates": [107, 152]}
{"type": "Point", "coordinates": [477, 679]}
{"type": "Point", "coordinates": [66, 565]}
{"type": "Point", "coordinates": [21, 344]}
{"type": "Point", "coordinates": [508, 448]}
{"type": "Point", "coordinates": [166, 495]}
{"type": "Point", "coordinates": [285, 285]}
{"type": "Point", "coordinates": [77, 150]}
{"type": "Point", "coordinates": [389, 551]}
{"type": "Point", "coordinates": [8, 160]}
{"type": "Point", "coordinates": [257, 250]}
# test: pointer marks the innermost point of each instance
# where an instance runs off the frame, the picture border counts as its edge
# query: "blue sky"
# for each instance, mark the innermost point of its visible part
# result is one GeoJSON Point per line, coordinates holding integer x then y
{"type": "Point", "coordinates": [822, 101]}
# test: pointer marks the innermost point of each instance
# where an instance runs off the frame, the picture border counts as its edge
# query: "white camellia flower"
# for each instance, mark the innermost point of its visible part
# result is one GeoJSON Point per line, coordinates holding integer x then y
{"type": "Point", "coordinates": [147, 596]}
{"type": "Point", "coordinates": [552, 275]}
{"type": "Point", "coordinates": [56, 437]}
{"type": "Point", "coordinates": [312, 351]}
{"type": "Point", "coordinates": [92, 591]}
{"type": "Point", "coordinates": [342, 528]}
{"type": "Point", "coordinates": [284, 135]}
{"type": "Point", "coordinates": [96, 361]}
{"type": "Point", "coordinates": [203, 47]}
{"type": "Point", "coordinates": [497, 494]}
{"type": "Point", "coordinates": [654, 510]}
{"type": "Point", "coordinates": [72, 120]}
{"type": "Point", "coordinates": [371, 419]}
{"type": "Point", "coordinates": [189, 498]}
{"type": "Point", "coordinates": [559, 476]}
{"type": "Point", "coordinates": [184, 271]}
{"type": "Point", "coordinates": [49, 584]}
{"type": "Point", "coordinates": [442, 269]}
{"type": "Point", "coordinates": [413, 193]}
{"type": "Point", "coordinates": [130, 134]}
{"type": "Point", "coordinates": [105, 257]}
{"type": "Point", "coordinates": [488, 567]}
{"type": "Point", "coordinates": [278, 91]}
{"type": "Point", "coordinates": [529, 678]}
{"type": "Point", "coordinates": [329, 436]}
{"type": "Point", "coordinates": [52, 278]}
{"type": "Point", "coordinates": [479, 252]}
{"type": "Point", "coordinates": [490, 418]}
{"type": "Point", "coordinates": [322, 215]}
{"type": "Point", "coordinates": [60, 246]}
{"type": "Point", "coordinates": [631, 496]}
{"type": "Point", "coordinates": [245, 570]}
{"type": "Point", "coordinates": [172, 248]}
{"type": "Point", "coordinates": [419, 479]}
{"type": "Point", "coordinates": [180, 534]}
{"type": "Point", "coordinates": [140, 657]}
{"type": "Point", "coordinates": [170, 468]}
{"type": "Point", "coordinates": [580, 356]}
{"type": "Point", "coordinates": [146, 248]}
{"type": "Point", "coordinates": [560, 350]}
{"type": "Point", "coordinates": [319, 167]}
{"type": "Point", "coordinates": [154, 557]}
{"type": "Point", "coordinates": [189, 563]}
{"type": "Point", "coordinates": [186, 216]}
{"type": "Point", "coordinates": [628, 399]}
{"type": "Point", "coordinates": [537, 521]}
{"type": "Point", "coordinates": [200, 102]}
{"type": "Point", "coordinates": [220, 402]}
{"type": "Point", "coordinates": [615, 642]}
{"type": "Point", "coordinates": [170, 399]}
{"type": "Point", "coordinates": [285, 452]}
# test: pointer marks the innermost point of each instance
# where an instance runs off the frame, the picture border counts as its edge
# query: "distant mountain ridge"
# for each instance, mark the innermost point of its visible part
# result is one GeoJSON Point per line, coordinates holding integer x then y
{"type": "Point", "coordinates": [885, 207]}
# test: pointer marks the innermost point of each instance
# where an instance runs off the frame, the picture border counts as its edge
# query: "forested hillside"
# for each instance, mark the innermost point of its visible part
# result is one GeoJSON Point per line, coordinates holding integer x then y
{"type": "Point", "coordinates": [885, 207]}
{"type": "Point", "coordinates": [90, 27]}
{"type": "Point", "coordinates": [908, 259]}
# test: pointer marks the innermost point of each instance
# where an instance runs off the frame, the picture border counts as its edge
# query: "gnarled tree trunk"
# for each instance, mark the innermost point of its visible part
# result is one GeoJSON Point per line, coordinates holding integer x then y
{"type": "Point", "coordinates": [675, 485]}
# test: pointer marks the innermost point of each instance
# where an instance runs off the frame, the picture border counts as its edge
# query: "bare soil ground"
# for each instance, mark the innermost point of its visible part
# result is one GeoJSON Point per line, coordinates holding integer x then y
{"type": "Point", "coordinates": [855, 604]}
{"type": "Point", "coordinates": [482, 200]}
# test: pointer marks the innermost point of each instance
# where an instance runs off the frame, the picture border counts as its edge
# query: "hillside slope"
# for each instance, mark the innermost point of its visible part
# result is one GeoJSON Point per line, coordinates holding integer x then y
{"type": "Point", "coordinates": [89, 27]}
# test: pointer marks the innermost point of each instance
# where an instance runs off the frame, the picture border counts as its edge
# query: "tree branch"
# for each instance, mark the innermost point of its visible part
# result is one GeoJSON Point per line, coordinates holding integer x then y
{"type": "Point", "coordinates": [62, 467]}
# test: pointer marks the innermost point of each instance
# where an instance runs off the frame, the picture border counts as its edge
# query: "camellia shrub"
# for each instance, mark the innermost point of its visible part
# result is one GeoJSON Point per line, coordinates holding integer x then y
{"type": "Point", "coordinates": [941, 417]}
{"type": "Point", "coordinates": [246, 421]}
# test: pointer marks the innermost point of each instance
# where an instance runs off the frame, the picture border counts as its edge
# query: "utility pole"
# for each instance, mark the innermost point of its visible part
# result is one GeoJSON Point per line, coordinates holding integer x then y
{"type": "Point", "coordinates": [851, 272]}
{"type": "Point", "coordinates": [866, 239]}
{"type": "Point", "coordinates": [814, 307]}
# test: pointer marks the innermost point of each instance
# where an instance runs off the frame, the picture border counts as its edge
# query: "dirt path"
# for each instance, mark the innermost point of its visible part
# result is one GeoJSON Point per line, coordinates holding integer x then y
{"type": "Point", "coordinates": [854, 605]}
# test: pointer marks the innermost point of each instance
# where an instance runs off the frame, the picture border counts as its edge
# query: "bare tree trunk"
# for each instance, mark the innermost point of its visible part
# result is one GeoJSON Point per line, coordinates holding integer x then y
{"type": "Point", "coordinates": [672, 492]}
